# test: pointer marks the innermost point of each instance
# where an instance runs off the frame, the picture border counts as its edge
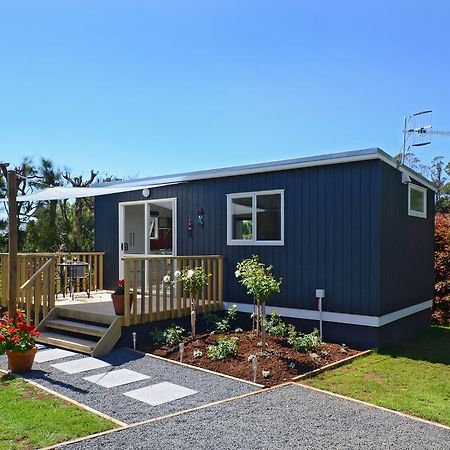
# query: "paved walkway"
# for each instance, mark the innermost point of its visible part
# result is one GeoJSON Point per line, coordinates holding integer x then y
{"type": "Point", "coordinates": [129, 386]}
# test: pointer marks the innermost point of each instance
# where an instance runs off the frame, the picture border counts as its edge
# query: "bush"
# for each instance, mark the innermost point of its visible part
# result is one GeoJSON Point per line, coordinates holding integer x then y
{"type": "Point", "coordinates": [173, 335]}
{"type": "Point", "coordinates": [157, 336]}
{"type": "Point", "coordinates": [275, 325]}
{"type": "Point", "coordinates": [303, 342]}
{"type": "Point", "coordinates": [224, 325]}
{"type": "Point", "coordinates": [224, 348]}
{"type": "Point", "coordinates": [441, 305]}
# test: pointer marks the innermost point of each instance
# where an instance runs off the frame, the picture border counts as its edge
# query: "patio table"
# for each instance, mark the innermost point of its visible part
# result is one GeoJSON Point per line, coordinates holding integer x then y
{"type": "Point", "coordinates": [73, 271]}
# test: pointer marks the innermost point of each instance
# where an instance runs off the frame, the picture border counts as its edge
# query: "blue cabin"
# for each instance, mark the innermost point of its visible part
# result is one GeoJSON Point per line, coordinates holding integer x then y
{"type": "Point", "coordinates": [356, 224]}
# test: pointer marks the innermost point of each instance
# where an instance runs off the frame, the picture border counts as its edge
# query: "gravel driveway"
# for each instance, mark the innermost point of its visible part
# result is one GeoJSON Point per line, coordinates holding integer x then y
{"type": "Point", "coordinates": [289, 417]}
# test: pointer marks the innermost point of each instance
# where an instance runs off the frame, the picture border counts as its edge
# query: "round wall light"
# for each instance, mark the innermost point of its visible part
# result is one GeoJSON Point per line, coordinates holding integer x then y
{"type": "Point", "coordinates": [146, 192]}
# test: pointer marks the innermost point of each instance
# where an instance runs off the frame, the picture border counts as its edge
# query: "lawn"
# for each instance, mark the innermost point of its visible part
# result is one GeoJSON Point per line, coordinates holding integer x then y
{"type": "Point", "coordinates": [32, 418]}
{"type": "Point", "coordinates": [413, 377]}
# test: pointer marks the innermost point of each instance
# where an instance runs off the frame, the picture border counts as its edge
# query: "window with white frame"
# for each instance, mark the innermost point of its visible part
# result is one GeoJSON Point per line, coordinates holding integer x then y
{"type": "Point", "coordinates": [417, 201]}
{"type": "Point", "coordinates": [255, 218]}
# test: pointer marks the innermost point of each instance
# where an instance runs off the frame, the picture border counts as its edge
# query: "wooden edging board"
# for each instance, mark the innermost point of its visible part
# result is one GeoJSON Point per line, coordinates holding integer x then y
{"type": "Point", "coordinates": [382, 408]}
{"type": "Point", "coordinates": [67, 399]}
{"type": "Point", "coordinates": [332, 366]}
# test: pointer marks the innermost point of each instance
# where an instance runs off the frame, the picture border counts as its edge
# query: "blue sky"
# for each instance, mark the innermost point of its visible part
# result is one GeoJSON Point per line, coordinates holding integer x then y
{"type": "Point", "coordinates": [138, 88]}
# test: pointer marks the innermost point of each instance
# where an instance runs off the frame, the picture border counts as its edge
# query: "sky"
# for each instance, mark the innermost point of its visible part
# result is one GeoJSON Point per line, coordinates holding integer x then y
{"type": "Point", "coordinates": [143, 88]}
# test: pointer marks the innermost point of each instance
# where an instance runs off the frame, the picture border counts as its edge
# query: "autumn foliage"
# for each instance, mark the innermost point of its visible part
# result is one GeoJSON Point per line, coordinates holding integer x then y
{"type": "Point", "coordinates": [441, 307]}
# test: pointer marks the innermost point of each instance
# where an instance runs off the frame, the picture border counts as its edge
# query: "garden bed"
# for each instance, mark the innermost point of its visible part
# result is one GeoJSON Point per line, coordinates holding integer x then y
{"type": "Point", "coordinates": [281, 361]}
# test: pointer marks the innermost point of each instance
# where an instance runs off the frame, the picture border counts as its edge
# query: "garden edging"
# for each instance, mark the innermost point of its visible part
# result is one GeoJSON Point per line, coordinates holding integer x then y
{"type": "Point", "coordinates": [198, 368]}
{"type": "Point", "coordinates": [332, 366]}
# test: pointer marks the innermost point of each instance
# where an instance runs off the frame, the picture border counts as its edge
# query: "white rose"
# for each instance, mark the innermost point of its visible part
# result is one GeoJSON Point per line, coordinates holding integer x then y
{"type": "Point", "coordinates": [166, 279]}
{"type": "Point", "coordinates": [177, 273]}
{"type": "Point", "coordinates": [237, 274]}
{"type": "Point", "coordinates": [190, 273]}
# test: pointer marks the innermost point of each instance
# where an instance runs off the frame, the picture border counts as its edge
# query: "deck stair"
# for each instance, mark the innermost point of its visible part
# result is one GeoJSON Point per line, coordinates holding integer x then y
{"type": "Point", "coordinates": [80, 331]}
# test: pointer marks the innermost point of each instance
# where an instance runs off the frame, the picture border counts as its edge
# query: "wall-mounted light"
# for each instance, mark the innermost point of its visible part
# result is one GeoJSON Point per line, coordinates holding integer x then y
{"type": "Point", "coordinates": [146, 192]}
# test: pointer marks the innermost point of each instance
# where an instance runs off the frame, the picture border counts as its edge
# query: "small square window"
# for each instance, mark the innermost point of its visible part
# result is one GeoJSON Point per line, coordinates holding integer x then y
{"type": "Point", "coordinates": [417, 201]}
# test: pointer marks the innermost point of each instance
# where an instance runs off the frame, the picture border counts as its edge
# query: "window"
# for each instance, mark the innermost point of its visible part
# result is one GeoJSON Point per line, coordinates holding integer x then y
{"type": "Point", "coordinates": [417, 201]}
{"type": "Point", "coordinates": [256, 218]}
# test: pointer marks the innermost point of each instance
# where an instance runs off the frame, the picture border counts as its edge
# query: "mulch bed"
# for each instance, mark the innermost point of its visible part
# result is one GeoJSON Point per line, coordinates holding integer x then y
{"type": "Point", "coordinates": [283, 362]}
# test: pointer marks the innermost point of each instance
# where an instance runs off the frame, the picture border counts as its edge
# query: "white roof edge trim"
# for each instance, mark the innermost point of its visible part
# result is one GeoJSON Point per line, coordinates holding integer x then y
{"type": "Point", "coordinates": [287, 164]}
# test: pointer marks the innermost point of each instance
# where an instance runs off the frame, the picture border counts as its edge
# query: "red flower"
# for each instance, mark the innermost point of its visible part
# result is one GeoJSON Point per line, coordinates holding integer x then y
{"type": "Point", "coordinates": [121, 283]}
{"type": "Point", "coordinates": [35, 333]}
{"type": "Point", "coordinates": [2, 338]}
{"type": "Point", "coordinates": [15, 338]}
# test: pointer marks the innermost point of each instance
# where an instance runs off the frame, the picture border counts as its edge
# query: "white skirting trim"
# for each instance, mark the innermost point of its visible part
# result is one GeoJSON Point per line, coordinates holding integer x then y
{"type": "Point", "coordinates": [327, 316]}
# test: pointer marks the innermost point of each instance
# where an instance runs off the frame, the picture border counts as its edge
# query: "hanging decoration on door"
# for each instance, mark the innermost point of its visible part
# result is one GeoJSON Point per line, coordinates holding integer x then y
{"type": "Point", "coordinates": [190, 226]}
{"type": "Point", "coordinates": [201, 217]}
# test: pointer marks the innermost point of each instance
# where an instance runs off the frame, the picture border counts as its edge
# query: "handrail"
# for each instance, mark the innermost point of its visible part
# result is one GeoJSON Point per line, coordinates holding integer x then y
{"type": "Point", "coordinates": [148, 257]}
{"type": "Point", "coordinates": [36, 274]}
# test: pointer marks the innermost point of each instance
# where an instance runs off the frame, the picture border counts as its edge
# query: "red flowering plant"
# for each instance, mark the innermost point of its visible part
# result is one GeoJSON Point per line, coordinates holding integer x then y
{"type": "Point", "coordinates": [15, 334]}
{"type": "Point", "coordinates": [120, 287]}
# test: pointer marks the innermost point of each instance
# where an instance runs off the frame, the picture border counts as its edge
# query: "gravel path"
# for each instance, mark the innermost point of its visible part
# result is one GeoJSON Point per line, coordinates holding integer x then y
{"type": "Point", "coordinates": [111, 401]}
{"type": "Point", "coordinates": [289, 417]}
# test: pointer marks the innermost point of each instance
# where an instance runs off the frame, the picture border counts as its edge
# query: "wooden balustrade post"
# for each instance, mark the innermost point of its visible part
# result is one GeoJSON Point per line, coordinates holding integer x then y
{"type": "Point", "coordinates": [126, 313]}
{"type": "Point", "coordinates": [12, 242]}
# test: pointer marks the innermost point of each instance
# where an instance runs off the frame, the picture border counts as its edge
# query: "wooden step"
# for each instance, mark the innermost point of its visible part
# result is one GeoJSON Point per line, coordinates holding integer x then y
{"type": "Point", "coordinates": [76, 327]}
{"type": "Point", "coordinates": [68, 313]}
{"type": "Point", "coordinates": [74, 343]}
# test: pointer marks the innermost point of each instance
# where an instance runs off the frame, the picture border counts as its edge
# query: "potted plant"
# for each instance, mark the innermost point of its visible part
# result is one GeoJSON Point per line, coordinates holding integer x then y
{"type": "Point", "coordinates": [192, 282]}
{"type": "Point", "coordinates": [118, 298]}
{"type": "Point", "coordinates": [17, 341]}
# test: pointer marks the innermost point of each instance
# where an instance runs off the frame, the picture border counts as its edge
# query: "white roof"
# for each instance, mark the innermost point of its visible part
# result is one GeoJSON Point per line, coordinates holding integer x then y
{"type": "Point", "coordinates": [59, 193]}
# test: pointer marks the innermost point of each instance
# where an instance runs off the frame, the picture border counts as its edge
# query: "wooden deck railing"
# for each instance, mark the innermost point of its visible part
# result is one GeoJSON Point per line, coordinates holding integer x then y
{"type": "Point", "coordinates": [37, 294]}
{"type": "Point", "coordinates": [156, 300]}
{"type": "Point", "coordinates": [29, 263]}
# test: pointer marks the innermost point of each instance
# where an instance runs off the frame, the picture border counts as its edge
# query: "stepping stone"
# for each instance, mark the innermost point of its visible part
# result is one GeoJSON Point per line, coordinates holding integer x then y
{"type": "Point", "coordinates": [81, 365]}
{"type": "Point", "coordinates": [51, 354]}
{"type": "Point", "coordinates": [116, 378]}
{"type": "Point", "coordinates": [160, 393]}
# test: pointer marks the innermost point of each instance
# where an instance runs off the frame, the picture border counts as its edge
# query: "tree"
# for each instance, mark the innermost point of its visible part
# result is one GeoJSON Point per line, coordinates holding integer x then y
{"type": "Point", "coordinates": [260, 284]}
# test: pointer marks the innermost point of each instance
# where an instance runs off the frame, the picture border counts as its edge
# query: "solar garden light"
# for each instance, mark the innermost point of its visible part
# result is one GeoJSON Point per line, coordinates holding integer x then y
{"type": "Point", "coordinates": [181, 351]}
{"type": "Point", "coordinates": [134, 340]}
{"type": "Point", "coordinates": [320, 295]}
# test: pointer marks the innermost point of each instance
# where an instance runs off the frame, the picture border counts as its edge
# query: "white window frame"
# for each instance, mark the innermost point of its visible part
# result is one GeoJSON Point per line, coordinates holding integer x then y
{"type": "Point", "coordinates": [253, 241]}
{"type": "Point", "coordinates": [422, 190]}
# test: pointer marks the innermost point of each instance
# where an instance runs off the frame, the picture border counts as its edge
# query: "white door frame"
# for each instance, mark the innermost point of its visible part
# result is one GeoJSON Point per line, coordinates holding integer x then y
{"type": "Point", "coordinates": [146, 204]}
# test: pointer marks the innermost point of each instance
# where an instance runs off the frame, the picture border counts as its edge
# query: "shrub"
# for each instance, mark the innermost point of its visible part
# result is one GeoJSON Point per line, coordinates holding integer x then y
{"type": "Point", "coordinates": [275, 325]}
{"type": "Point", "coordinates": [303, 342]}
{"type": "Point", "coordinates": [224, 325]}
{"type": "Point", "coordinates": [224, 348]}
{"type": "Point", "coordinates": [157, 336]}
{"type": "Point", "coordinates": [441, 305]}
{"type": "Point", "coordinates": [174, 335]}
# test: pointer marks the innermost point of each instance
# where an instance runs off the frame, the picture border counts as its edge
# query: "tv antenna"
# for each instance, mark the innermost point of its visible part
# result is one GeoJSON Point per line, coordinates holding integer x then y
{"type": "Point", "coordinates": [417, 131]}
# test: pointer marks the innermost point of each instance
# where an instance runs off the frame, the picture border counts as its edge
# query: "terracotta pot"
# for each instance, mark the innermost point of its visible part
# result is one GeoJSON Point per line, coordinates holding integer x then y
{"type": "Point", "coordinates": [119, 303]}
{"type": "Point", "coordinates": [20, 362]}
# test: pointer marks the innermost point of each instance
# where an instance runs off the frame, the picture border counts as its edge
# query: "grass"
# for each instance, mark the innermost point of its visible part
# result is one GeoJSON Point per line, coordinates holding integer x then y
{"type": "Point", "coordinates": [32, 418]}
{"type": "Point", "coordinates": [413, 377]}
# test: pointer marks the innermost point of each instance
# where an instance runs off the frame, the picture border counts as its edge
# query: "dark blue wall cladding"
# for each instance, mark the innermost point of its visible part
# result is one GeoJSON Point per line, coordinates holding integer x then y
{"type": "Point", "coordinates": [332, 231]}
{"type": "Point", "coordinates": [407, 246]}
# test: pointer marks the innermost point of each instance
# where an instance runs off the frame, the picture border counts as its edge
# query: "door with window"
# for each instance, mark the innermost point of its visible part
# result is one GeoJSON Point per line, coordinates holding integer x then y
{"type": "Point", "coordinates": [146, 228]}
